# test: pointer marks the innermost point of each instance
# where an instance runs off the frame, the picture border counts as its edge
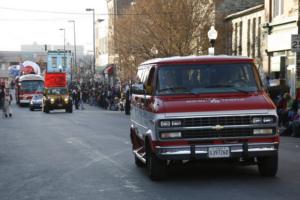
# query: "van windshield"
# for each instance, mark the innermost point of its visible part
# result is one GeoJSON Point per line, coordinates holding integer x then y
{"type": "Point", "coordinates": [206, 78]}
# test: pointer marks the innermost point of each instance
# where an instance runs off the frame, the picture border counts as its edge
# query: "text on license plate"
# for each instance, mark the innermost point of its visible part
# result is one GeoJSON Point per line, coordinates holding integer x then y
{"type": "Point", "coordinates": [218, 152]}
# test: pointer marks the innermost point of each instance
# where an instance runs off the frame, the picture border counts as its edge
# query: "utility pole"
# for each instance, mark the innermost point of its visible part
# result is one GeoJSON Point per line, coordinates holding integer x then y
{"type": "Point", "coordinates": [298, 54]}
{"type": "Point", "coordinates": [94, 49]}
{"type": "Point", "coordinates": [75, 55]}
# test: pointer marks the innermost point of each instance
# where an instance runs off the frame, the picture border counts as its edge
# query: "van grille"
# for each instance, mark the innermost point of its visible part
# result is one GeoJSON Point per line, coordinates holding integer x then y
{"type": "Point", "coordinates": [213, 121]}
{"type": "Point", "coordinates": [240, 132]}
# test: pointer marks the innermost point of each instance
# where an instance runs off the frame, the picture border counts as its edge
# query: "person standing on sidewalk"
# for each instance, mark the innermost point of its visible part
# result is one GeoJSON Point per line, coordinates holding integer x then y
{"type": "Point", "coordinates": [1, 96]}
{"type": "Point", "coordinates": [80, 99]}
{"type": "Point", "coordinates": [7, 103]}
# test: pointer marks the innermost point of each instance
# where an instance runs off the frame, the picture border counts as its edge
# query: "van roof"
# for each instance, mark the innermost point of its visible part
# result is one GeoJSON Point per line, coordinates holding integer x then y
{"type": "Point", "coordinates": [197, 59]}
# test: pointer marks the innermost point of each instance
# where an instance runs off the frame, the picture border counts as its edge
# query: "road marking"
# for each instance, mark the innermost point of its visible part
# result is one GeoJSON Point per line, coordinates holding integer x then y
{"type": "Point", "coordinates": [94, 154]}
{"type": "Point", "coordinates": [133, 187]}
{"type": "Point", "coordinates": [97, 156]}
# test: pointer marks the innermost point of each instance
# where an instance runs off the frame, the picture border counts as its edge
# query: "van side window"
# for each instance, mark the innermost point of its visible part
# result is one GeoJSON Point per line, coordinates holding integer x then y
{"type": "Point", "coordinates": [149, 85]}
{"type": "Point", "coordinates": [139, 77]}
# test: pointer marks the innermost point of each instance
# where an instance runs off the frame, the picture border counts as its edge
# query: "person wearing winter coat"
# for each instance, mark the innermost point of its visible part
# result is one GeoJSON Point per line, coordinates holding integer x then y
{"type": "Point", "coordinates": [1, 97]}
{"type": "Point", "coordinates": [7, 103]}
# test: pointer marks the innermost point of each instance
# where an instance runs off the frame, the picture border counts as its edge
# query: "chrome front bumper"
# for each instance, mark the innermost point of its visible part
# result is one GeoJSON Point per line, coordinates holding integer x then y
{"type": "Point", "coordinates": [201, 151]}
{"type": "Point", "coordinates": [24, 101]}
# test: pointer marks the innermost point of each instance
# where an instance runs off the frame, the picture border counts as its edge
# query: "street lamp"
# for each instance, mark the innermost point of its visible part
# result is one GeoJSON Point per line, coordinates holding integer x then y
{"type": "Point", "coordinates": [212, 36]}
{"type": "Point", "coordinates": [154, 50]}
{"type": "Point", "coordinates": [98, 37]}
{"type": "Point", "coordinates": [94, 49]}
{"type": "Point", "coordinates": [64, 58]}
{"type": "Point", "coordinates": [75, 61]}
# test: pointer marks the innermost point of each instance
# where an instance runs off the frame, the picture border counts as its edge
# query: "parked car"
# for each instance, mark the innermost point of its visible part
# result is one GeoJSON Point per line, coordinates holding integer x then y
{"type": "Point", "coordinates": [36, 102]}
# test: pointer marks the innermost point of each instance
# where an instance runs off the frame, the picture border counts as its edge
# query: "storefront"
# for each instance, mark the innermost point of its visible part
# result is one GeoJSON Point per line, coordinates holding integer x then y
{"type": "Point", "coordinates": [110, 75]}
{"type": "Point", "coordinates": [282, 59]}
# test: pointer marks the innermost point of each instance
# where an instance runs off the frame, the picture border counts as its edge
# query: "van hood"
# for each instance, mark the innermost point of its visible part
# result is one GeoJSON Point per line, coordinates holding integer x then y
{"type": "Point", "coordinates": [207, 103]}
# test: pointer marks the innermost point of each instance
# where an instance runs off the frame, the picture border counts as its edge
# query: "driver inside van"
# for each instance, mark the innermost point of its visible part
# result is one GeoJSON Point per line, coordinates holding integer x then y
{"type": "Point", "coordinates": [167, 80]}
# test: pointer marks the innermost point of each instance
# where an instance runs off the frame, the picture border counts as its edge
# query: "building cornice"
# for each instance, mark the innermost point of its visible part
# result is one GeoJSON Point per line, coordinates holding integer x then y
{"type": "Point", "coordinates": [246, 12]}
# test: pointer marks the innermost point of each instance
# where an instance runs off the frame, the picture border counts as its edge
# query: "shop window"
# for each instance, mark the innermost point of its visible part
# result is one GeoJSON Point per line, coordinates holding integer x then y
{"type": "Point", "coordinates": [64, 62]}
{"type": "Point", "coordinates": [54, 61]}
{"type": "Point", "coordinates": [240, 39]}
{"type": "Point", "coordinates": [248, 37]}
{"type": "Point", "coordinates": [259, 37]}
{"type": "Point", "coordinates": [235, 38]}
{"type": "Point", "coordinates": [253, 37]}
{"type": "Point", "coordinates": [278, 6]}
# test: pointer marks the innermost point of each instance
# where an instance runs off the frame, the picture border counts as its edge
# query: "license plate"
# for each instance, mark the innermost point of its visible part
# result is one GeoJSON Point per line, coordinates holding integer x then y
{"type": "Point", "coordinates": [60, 105]}
{"type": "Point", "coordinates": [218, 152]}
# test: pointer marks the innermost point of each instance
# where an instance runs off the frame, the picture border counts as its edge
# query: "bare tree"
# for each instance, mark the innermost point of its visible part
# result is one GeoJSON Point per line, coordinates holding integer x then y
{"type": "Point", "coordinates": [171, 27]}
{"type": "Point", "coordinates": [85, 64]}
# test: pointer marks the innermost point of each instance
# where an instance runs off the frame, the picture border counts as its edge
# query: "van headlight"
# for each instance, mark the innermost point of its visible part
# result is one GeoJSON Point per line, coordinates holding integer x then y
{"type": "Point", "coordinates": [268, 120]}
{"type": "Point", "coordinates": [170, 123]}
{"type": "Point", "coordinates": [263, 120]}
{"type": "Point", "coordinates": [52, 100]}
{"type": "Point", "coordinates": [165, 123]}
{"type": "Point", "coordinates": [66, 99]}
{"type": "Point", "coordinates": [256, 120]}
{"type": "Point", "coordinates": [176, 123]}
{"type": "Point", "coordinates": [169, 135]}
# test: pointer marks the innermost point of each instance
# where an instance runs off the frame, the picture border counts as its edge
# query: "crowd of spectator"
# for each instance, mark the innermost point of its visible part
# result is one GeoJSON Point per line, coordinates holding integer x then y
{"type": "Point", "coordinates": [98, 94]}
{"type": "Point", "coordinates": [288, 111]}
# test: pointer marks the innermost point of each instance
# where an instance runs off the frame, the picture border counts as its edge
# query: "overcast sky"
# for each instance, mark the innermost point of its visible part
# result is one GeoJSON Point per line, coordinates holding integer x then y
{"type": "Point", "coordinates": [29, 21]}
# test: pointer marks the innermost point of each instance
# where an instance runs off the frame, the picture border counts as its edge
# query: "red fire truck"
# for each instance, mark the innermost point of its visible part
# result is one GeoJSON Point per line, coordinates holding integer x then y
{"type": "Point", "coordinates": [202, 108]}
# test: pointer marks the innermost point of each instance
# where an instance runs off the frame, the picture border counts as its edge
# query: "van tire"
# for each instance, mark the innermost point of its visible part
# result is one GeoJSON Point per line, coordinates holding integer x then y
{"type": "Point", "coordinates": [157, 168]}
{"type": "Point", "coordinates": [268, 166]}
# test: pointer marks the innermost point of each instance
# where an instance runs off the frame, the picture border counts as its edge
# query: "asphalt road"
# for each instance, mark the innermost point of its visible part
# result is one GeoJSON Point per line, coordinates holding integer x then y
{"type": "Point", "coordinates": [87, 155]}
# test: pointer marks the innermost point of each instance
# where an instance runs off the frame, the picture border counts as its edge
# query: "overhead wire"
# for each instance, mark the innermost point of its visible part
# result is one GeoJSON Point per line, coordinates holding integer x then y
{"type": "Point", "coordinates": [44, 11]}
{"type": "Point", "coordinates": [76, 13]}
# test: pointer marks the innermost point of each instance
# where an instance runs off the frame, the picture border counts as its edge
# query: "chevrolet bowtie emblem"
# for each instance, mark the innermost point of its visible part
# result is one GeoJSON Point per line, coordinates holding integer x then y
{"type": "Point", "coordinates": [218, 127]}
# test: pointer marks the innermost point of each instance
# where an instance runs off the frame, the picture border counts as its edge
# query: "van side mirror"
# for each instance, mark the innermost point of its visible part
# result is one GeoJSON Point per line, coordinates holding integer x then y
{"type": "Point", "coordinates": [138, 89]}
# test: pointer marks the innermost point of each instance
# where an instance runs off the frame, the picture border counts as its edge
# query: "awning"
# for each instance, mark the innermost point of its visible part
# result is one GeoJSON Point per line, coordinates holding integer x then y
{"type": "Point", "coordinates": [109, 69]}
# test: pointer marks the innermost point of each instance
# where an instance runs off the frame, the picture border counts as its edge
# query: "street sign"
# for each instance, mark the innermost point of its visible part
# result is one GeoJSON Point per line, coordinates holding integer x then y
{"type": "Point", "coordinates": [295, 45]}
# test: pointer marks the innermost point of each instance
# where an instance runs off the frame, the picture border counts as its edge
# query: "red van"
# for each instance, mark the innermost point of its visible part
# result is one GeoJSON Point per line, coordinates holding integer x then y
{"type": "Point", "coordinates": [201, 108]}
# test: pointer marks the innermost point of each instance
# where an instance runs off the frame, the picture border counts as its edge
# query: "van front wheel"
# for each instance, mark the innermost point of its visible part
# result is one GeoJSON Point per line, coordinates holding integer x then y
{"type": "Point", "coordinates": [157, 168]}
{"type": "Point", "coordinates": [268, 165]}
